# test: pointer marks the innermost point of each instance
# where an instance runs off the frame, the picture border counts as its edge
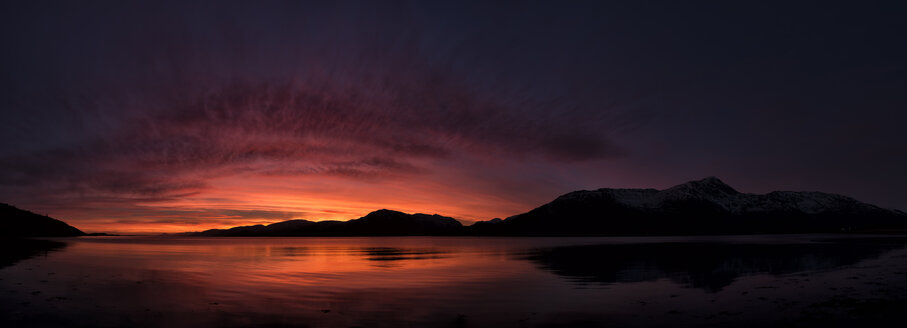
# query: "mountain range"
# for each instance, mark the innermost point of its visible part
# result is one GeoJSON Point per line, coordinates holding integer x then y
{"type": "Point", "coordinates": [702, 207]}
{"type": "Point", "coordinates": [377, 223]}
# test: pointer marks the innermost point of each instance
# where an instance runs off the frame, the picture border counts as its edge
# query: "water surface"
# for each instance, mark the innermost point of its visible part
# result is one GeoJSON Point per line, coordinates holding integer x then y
{"type": "Point", "coordinates": [802, 280]}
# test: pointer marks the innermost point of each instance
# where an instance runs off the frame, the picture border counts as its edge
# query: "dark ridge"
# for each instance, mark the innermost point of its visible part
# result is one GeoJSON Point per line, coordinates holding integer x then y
{"type": "Point", "coordinates": [21, 223]}
{"type": "Point", "coordinates": [378, 223]}
{"type": "Point", "coordinates": [702, 207]}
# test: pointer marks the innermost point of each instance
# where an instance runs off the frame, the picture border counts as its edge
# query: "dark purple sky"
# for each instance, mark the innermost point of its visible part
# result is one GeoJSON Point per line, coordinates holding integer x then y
{"type": "Point", "coordinates": [167, 116]}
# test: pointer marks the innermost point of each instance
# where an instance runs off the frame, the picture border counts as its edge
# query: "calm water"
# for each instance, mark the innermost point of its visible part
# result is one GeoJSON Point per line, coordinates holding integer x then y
{"type": "Point", "coordinates": [455, 282]}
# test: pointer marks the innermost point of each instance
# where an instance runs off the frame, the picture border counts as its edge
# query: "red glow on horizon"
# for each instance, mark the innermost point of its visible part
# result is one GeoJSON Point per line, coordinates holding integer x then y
{"type": "Point", "coordinates": [251, 200]}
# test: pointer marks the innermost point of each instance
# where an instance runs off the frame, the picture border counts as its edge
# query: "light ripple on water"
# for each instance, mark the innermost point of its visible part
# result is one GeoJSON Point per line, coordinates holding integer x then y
{"type": "Point", "coordinates": [419, 281]}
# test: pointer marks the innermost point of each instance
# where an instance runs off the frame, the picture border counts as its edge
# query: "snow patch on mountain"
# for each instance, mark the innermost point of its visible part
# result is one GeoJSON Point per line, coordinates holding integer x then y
{"type": "Point", "coordinates": [713, 190]}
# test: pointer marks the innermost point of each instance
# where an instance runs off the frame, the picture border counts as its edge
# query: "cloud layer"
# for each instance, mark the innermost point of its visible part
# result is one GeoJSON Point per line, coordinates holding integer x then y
{"type": "Point", "coordinates": [189, 106]}
{"type": "Point", "coordinates": [171, 115]}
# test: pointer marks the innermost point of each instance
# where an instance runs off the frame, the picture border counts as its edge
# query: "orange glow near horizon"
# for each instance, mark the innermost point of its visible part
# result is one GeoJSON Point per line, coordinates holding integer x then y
{"type": "Point", "coordinates": [238, 200]}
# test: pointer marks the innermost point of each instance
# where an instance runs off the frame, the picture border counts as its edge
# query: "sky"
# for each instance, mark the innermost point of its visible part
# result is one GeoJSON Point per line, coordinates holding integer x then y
{"type": "Point", "coordinates": [159, 116]}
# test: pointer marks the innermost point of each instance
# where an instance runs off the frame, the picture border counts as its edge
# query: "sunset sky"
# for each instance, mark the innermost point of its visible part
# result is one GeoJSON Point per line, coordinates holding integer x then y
{"type": "Point", "coordinates": [163, 116]}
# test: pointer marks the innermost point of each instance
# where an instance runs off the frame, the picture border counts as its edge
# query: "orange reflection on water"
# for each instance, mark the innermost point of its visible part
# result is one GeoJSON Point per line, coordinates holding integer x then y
{"type": "Point", "coordinates": [376, 282]}
{"type": "Point", "coordinates": [251, 266]}
{"type": "Point", "coordinates": [439, 281]}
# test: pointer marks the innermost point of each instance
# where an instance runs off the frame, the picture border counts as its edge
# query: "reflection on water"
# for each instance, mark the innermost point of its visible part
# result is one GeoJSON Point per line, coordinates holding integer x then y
{"type": "Point", "coordinates": [398, 254]}
{"type": "Point", "coordinates": [450, 282]}
{"type": "Point", "coordinates": [710, 266]}
{"type": "Point", "coordinates": [13, 250]}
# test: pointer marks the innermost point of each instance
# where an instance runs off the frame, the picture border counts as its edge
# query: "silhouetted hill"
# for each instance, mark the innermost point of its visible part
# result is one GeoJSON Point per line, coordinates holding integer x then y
{"type": "Point", "coordinates": [706, 206]}
{"type": "Point", "coordinates": [377, 223]}
{"type": "Point", "coordinates": [21, 223]}
{"type": "Point", "coordinates": [703, 207]}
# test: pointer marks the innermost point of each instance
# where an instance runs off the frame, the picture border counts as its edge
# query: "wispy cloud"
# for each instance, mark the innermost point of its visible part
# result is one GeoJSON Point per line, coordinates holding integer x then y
{"type": "Point", "coordinates": [141, 120]}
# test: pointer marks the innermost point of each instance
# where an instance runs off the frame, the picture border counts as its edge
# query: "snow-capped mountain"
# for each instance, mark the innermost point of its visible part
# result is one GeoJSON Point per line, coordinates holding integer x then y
{"type": "Point", "coordinates": [707, 206]}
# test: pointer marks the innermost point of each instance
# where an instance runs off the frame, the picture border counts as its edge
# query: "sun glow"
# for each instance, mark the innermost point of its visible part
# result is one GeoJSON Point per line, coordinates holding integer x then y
{"type": "Point", "coordinates": [249, 200]}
